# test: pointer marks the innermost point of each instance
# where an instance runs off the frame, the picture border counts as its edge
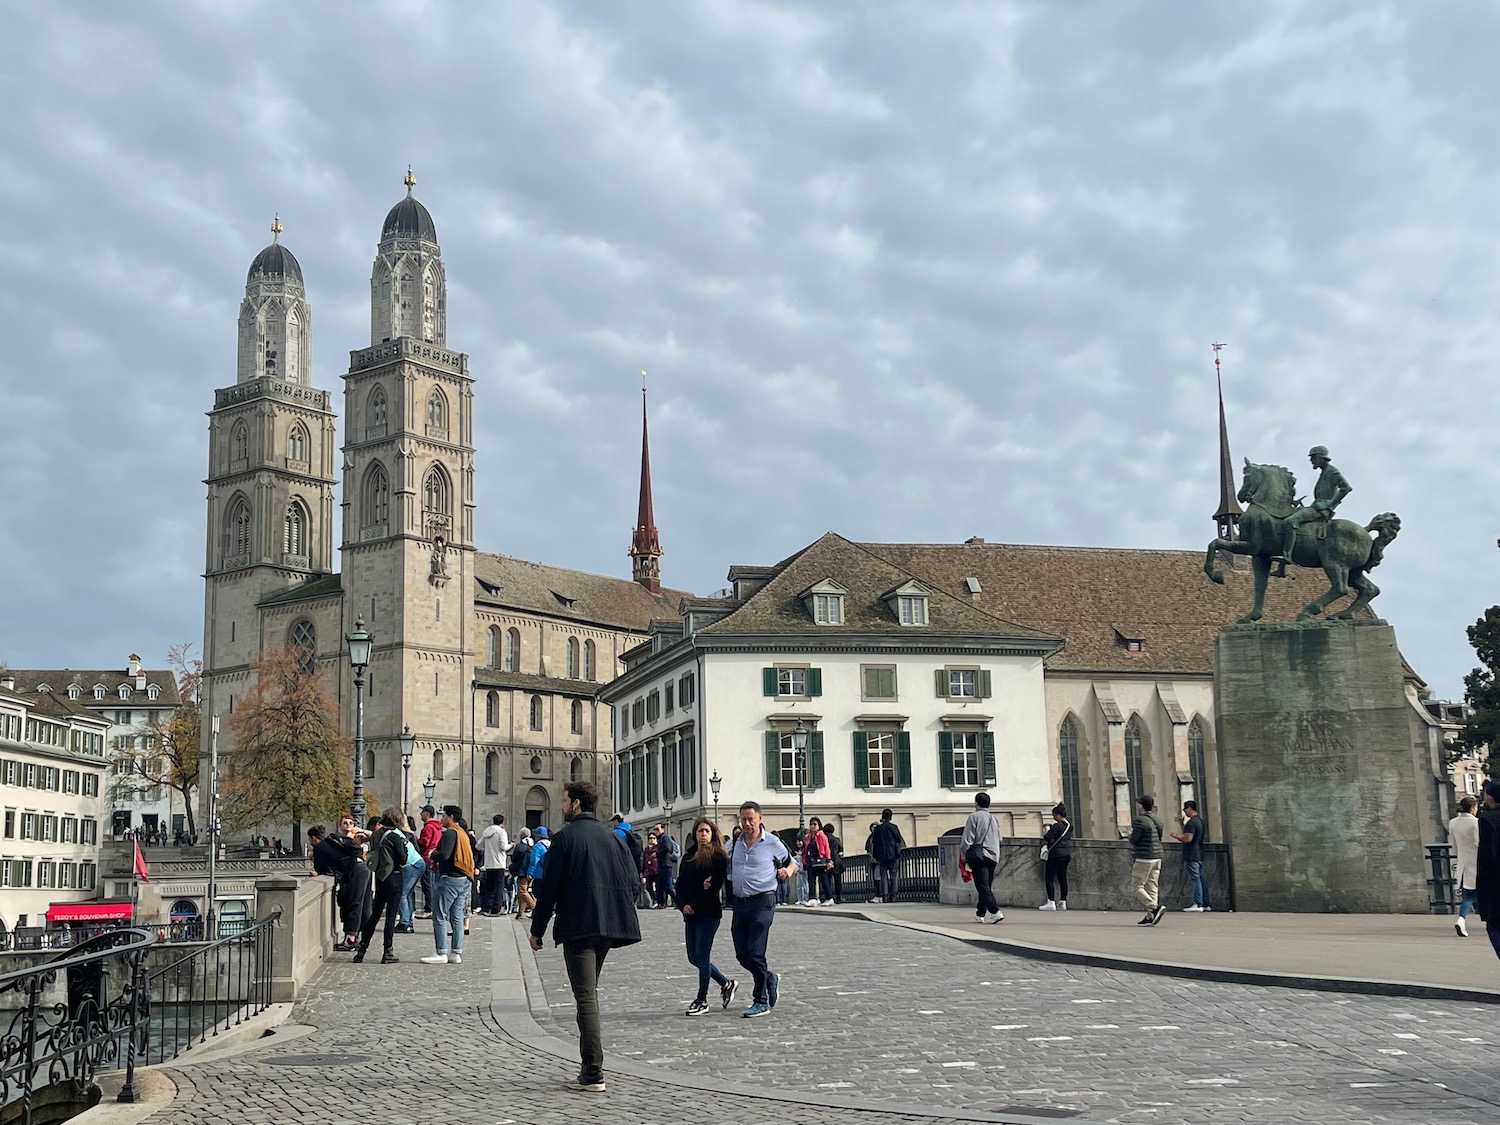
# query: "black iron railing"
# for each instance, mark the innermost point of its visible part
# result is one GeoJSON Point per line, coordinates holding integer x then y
{"type": "Point", "coordinates": [71, 1017]}
{"type": "Point", "coordinates": [916, 876]}
{"type": "Point", "coordinates": [1442, 895]}
{"type": "Point", "coordinates": [25, 938]}
{"type": "Point", "coordinates": [213, 988]}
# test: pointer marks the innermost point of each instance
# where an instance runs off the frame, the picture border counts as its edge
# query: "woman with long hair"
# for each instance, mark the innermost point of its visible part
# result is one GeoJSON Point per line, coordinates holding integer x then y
{"type": "Point", "coordinates": [1058, 841]}
{"type": "Point", "coordinates": [699, 882]}
{"type": "Point", "coordinates": [817, 861]}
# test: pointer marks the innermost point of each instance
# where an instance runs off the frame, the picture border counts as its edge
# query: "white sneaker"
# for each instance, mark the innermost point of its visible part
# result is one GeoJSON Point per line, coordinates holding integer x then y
{"type": "Point", "coordinates": [1048, 905]}
{"type": "Point", "coordinates": [812, 902]}
{"type": "Point", "coordinates": [1208, 910]}
{"type": "Point", "coordinates": [455, 958]}
{"type": "Point", "coordinates": [436, 959]}
{"type": "Point", "coordinates": [1194, 909]}
{"type": "Point", "coordinates": [1062, 904]}
{"type": "Point", "coordinates": [1460, 927]}
{"type": "Point", "coordinates": [875, 900]}
{"type": "Point", "coordinates": [995, 917]}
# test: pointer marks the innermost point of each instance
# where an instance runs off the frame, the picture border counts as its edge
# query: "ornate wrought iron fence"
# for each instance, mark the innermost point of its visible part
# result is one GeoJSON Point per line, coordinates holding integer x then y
{"type": "Point", "coordinates": [71, 1017]}
{"type": "Point", "coordinates": [916, 876]}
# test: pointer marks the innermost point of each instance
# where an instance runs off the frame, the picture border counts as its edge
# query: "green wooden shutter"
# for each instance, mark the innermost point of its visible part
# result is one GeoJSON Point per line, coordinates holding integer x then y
{"type": "Point", "coordinates": [982, 685]}
{"type": "Point", "coordinates": [861, 760]}
{"type": "Point", "coordinates": [903, 759]}
{"type": "Point", "coordinates": [815, 681]}
{"type": "Point", "coordinates": [940, 681]}
{"type": "Point", "coordinates": [945, 758]}
{"type": "Point", "coordinates": [815, 772]}
{"type": "Point", "coordinates": [768, 681]}
{"type": "Point", "coordinates": [773, 758]}
{"type": "Point", "coordinates": [987, 755]}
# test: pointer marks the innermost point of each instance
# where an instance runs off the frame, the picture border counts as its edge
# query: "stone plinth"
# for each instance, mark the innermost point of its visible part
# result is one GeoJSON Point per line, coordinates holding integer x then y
{"type": "Point", "coordinates": [1321, 809]}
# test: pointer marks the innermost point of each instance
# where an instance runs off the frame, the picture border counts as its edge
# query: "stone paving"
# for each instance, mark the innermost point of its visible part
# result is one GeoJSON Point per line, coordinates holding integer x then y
{"type": "Point", "coordinates": [880, 1013]}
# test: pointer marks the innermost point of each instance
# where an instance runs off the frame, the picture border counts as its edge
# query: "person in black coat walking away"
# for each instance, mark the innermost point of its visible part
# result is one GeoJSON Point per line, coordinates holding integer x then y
{"type": "Point", "coordinates": [1487, 881]}
{"type": "Point", "coordinates": [590, 882]}
{"type": "Point", "coordinates": [886, 845]}
{"type": "Point", "coordinates": [836, 849]}
{"type": "Point", "coordinates": [698, 893]}
{"type": "Point", "coordinates": [1058, 840]}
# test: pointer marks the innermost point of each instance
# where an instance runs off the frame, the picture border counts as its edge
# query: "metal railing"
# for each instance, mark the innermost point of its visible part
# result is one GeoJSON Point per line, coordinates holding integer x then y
{"type": "Point", "coordinates": [1442, 895]}
{"type": "Point", "coordinates": [26, 938]}
{"type": "Point", "coordinates": [916, 876]}
{"type": "Point", "coordinates": [213, 988]}
{"type": "Point", "coordinates": [70, 1018]}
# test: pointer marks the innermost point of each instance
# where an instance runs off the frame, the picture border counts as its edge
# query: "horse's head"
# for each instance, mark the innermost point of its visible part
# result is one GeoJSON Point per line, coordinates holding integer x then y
{"type": "Point", "coordinates": [1268, 485]}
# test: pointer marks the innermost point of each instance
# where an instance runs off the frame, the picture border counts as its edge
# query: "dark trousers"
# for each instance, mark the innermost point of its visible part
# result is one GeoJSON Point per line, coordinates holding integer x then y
{"type": "Point", "coordinates": [1057, 878]}
{"type": "Point", "coordinates": [387, 898]}
{"type": "Point", "coordinates": [750, 930]}
{"type": "Point", "coordinates": [1494, 934]}
{"type": "Point", "coordinates": [699, 933]}
{"type": "Point", "coordinates": [585, 960]}
{"type": "Point", "coordinates": [428, 883]}
{"type": "Point", "coordinates": [887, 885]}
{"type": "Point", "coordinates": [492, 886]}
{"type": "Point", "coordinates": [665, 881]}
{"type": "Point", "coordinates": [354, 898]}
{"type": "Point", "coordinates": [984, 883]}
{"type": "Point", "coordinates": [822, 884]}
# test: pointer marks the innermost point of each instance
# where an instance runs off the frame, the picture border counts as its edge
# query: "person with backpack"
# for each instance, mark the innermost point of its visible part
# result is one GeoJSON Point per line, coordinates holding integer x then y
{"type": "Point", "coordinates": [387, 859]}
{"type": "Point", "coordinates": [535, 865]}
{"type": "Point", "coordinates": [980, 849]}
{"type": "Point", "coordinates": [668, 855]}
{"type": "Point", "coordinates": [621, 828]}
{"type": "Point", "coordinates": [1145, 849]}
{"type": "Point", "coordinates": [520, 867]}
{"type": "Point", "coordinates": [886, 845]}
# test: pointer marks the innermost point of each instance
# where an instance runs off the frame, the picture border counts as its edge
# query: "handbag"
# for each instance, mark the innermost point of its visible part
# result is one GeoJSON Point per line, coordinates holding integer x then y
{"type": "Point", "coordinates": [1046, 849]}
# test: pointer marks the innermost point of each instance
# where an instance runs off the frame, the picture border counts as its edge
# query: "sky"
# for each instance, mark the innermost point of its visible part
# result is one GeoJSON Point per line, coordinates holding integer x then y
{"type": "Point", "coordinates": [905, 271]}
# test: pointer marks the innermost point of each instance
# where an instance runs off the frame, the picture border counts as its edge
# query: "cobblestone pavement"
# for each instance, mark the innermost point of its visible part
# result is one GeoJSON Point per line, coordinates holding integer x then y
{"type": "Point", "coordinates": [880, 1012]}
{"type": "Point", "coordinates": [366, 1062]}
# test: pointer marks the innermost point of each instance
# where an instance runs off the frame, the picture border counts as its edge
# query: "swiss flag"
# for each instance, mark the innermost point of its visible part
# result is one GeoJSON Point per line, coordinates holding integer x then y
{"type": "Point", "coordinates": [140, 864]}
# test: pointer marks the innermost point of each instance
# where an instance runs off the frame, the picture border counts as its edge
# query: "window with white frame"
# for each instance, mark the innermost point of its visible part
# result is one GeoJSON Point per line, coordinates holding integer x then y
{"type": "Point", "coordinates": [881, 748]}
{"type": "Point", "coordinates": [791, 681]}
{"type": "Point", "coordinates": [967, 769]}
{"type": "Point", "coordinates": [912, 609]}
{"type": "Point", "coordinates": [963, 683]}
{"type": "Point", "coordinates": [789, 762]}
{"type": "Point", "coordinates": [828, 609]}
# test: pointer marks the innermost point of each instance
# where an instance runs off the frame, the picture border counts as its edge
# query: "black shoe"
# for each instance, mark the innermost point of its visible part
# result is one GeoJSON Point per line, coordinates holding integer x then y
{"type": "Point", "coordinates": [403, 928]}
{"type": "Point", "coordinates": [388, 958]}
{"type": "Point", "coordinates": [698, 1008]}
{"type": "Point", "coordinates": [773, 987]}
{"type": "Point", "coordinates": [1146, 921]}
{"type": "Point", "coordinates": [726, 991]}
{"type": "Point", "coordinates": [359, 955]}
{"type": "Point", "coordinates": [1158, 914]}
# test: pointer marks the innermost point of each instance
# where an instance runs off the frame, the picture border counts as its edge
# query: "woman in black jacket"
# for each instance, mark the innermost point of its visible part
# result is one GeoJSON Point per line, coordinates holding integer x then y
{"type": "Point", "coordinates": [1059, 844]}
{"type": "Point", "coordinates": [699, 883]}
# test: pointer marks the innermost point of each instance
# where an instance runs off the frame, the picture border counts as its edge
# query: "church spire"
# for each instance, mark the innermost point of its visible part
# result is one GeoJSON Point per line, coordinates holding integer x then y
{"type": "Point", "coordinates": [645, 547]}
{"type": "Point", "coordinates": [1227, 515]}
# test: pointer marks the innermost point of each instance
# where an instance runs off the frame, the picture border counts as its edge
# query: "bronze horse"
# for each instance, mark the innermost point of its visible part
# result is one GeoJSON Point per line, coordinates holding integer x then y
{"type": "Point", "coordinates": [1343, 550]}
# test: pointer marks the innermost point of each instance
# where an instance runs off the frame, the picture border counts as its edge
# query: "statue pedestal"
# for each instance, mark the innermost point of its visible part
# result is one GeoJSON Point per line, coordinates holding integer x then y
{"type": "Point", "coordinates": [1319, 779]}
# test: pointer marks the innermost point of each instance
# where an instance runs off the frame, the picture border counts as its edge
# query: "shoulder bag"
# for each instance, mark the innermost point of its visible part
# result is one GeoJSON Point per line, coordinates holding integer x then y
{"type": "Point", "coordinates": [1047, 848]}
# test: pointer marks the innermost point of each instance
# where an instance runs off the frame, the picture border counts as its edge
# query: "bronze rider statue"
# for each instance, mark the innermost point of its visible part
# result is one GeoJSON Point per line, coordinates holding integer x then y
{"type": "Point", "coordinates": [1327, 494]}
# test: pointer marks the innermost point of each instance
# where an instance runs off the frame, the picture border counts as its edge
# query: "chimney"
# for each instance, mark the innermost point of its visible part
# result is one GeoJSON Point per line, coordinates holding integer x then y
{"type": "Point", "coordinates": [974, 541]}
{"type": "Point", "coordinates": [7, 681]}
{"type": "Point", "coordinates": [135, 665]}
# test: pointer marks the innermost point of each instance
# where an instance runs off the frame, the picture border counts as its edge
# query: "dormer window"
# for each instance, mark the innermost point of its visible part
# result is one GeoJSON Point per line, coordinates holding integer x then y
{"type": "Point", "coordinates": [908, 602]}
{"type": "Point", "coordinates": [1130, 640]}
{"type": "Point", "coordinates": [124, 691]}
{"type": "Point", "coordinates": [98, 691]}
{"type": "Point", "coordinates": [152, 691]}
{"type": "Point", "coordinates": [74, 691]}
{"type": "Point", "coordinates": [825, 601]}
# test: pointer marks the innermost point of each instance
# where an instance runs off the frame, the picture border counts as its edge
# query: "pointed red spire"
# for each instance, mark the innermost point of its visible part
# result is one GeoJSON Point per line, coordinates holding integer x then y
{"type": "Point", "coordinates": [1228, 514]}
{"type": "Point", "coordinates": [645, 547]}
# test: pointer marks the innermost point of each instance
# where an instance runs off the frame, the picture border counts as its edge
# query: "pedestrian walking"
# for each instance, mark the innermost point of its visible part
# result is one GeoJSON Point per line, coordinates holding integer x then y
{"type": "Point", "coordinates": [668, 856]}
{"type": "Point", "coordinates": [590, 885]}
{"type": "Point", "coordinates": [1057, 853]}
{"type": "Point", "coordinates": [1463, 834]}
{"type": "Point", "coordinates": [387, 857]}
{"type": "Point", "coordinates": [817, 861]}
{"type": "Point", "coordinates": [1487, 868]}
{"type": "Point", "coordinates": [1192, 838]}
{"type": "Point", "coordinates": [758, 862]}
{"type": "Point", "coordinates": [454, 860]}
{"type": "Point", "coordinates": [427, 839]}
{"type": "Point", "coordinates": [836, 849]}
{"type": "Point", "coordinates": [885, 846]}
{"type": "Point", "coordinates": [650, 871]}
{"type": "Point", "coordinates": [705, 866]}
{"type": "Point", "coordinates": [981, 851]}
{"type": "Point", "coordinates": [520, 869]}
{"type": "Point", "coordinates": [494, 844]}
{"type": "Point", "coordinates": [537, 863]}
{"type": "Point", "coordinates": [1145, 848]}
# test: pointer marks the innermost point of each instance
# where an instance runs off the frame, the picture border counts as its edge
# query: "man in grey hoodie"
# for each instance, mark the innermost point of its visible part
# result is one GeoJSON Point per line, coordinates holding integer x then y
{"type": "Point", "coordinates": [1145, 847]}
{"type": "Point", "coordinates": [981, 851]}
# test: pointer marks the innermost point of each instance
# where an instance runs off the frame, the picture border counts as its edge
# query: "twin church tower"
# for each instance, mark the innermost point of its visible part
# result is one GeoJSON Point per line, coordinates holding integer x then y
{"type": "Point", "coordinates": [480, 655]}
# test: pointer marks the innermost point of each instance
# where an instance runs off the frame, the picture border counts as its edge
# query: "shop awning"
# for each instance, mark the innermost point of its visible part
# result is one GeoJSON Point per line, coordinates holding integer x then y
{"type": "Point", "coordinates": [90, 912]}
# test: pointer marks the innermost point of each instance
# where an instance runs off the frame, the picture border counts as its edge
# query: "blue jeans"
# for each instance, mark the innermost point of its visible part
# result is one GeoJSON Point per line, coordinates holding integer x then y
{"type": "Point", "coordinates": [410, 877]}
{"type": "Point", "coordinates": [1194, 869]}
{"type": "Point", "coordinates": [452, 897]}
{"type": "Point", "coordinates": [700, 933]}
{"type": "Point", "coordinates": [750, 930]}
{"type": "Point", "coordinates": [1466, 902]}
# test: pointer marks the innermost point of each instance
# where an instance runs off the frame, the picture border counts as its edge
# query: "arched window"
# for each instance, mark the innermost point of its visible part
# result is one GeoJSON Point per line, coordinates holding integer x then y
{"type": "Point", "coordinates": [572, 658]}
{"type": "Point", "coordinates": [302, 638]}
{"type": "Point", "coordinates": [536, 712]}
{"type": "Point", "coordinates": [294, 530]}
{"type": "Point", "coordinates": [588, 660]}
{"type": "Point", "coordinates": [437, 765]}
{"type": "Point", "coordinates": [575, 770]}
{"type": "Point", "coordinates": [492, 772]}
{"type": "Point", "coordinates": [492, 709]}
{"type": "Point", "coordinates": [237, 532]}
{"type": "Point", "coordinates": [513, 650]}
{"type": "Point", "coordinates": [377, 498]}
{"type": "Point", "coordinates": [1134, 767]}
{"type": "Point", "coordinates": [375, 413]}
{"type": "Point", "coordinates": [239, 442]}
{"type": "Point", "coordinates": [537, 804]}
{"type": "Point", "coordinates": [296, 444]}
{"type": "Point", "coordinates": [435, 505]}
{"type": "Point", "coordinates": [1198, 765]}
{"type": "Point", "coordinates": [291, 367]}
{"type": "Point", "coordinates": [1067, 756]}
{"type": "Point", "coordinates": [577, 722]}
{"type": "Point", "coordinates": [437, 414]}
{"type": "Point", "coordinates": [492, 647]}
{"type": "Point", "coordinates": [369, 764]}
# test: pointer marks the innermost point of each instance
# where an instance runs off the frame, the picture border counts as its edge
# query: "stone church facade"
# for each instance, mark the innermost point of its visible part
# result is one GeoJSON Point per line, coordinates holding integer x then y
{"type": "Point", "coordinates": [491, 661]}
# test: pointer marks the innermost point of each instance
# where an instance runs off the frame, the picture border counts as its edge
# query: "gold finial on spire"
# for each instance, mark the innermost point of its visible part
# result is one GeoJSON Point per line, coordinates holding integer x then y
{"type": "Point", "coordinates": [276, 227]}
{"type": "Point", "coordinates": [409, 180]}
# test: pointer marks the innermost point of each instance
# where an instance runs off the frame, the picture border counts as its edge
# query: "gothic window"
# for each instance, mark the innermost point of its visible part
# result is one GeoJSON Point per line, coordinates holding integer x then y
{"type": "Point", "coordinates": [237, 530]}
{"type": "Point", "coordinates": [369, 764]}
{"type": "Point", "coordinates": [1134, 761]}
{"type": "Point", "coordinates": [575, 770]}
{"type": "Point", "coordinates": [577, 721]}
{"type": "Point", "coordinates": [239, 442]}
{"type": "Point", "coordinates": [1067, 756]}
{"type": "Point", "coordinates": [296, 444]}
{"type": "Point", "coordinates": [302, 639]}
{"type": "Point", "coordinates": [435, 504]}
{"type": "Point", "coordinates": [492, 648]}
{"type": "Point", "coordinates": [429, 308]}
{"type": "Point", "coordinates": [375, 413]}
{"type": "Point", "coordinates": [1198, 765]}
{"type": "Point", "coordinates": [572, 658]}
{"type": "Point", "coordinates": [492, 772]}
{"type": "Point", "coordinates": [294, 530]}
{"type": "Point", "coordinates": [437, 765]}
{"type": "Point", "coordinates": [437, 414]}
{"type": "Point", "coordinates": [588, 660]}
{"type": "Point", "coordinates": [513, 650]}
{"type": "Point", "coordinates": [536, 712]}
{"type": "Point", "coordinates": [377, 502]}
{"type": "Point", "coordinates": [292, 365]}
{"type": "Point", "coordinates": [492, 709]}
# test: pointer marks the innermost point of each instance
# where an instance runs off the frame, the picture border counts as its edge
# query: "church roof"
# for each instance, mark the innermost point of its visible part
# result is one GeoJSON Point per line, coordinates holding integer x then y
{"type": "Point", "coordinates": [409, 217]}
{"type": "Point", "coordinates": [318, 586]}
{"type": "Point", "coordinates": [57, 680]}
{"type": "Point", "coordinates": [524, 681]}
{"type": "Point", "coordinates": [275, 261]}
{"type": "Point", "coordinates": [577, 595]}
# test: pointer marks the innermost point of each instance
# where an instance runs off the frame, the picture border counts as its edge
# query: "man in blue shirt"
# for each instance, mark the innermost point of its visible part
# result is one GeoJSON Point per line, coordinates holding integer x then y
{"type": "Point", "coordinates": [757, 861]}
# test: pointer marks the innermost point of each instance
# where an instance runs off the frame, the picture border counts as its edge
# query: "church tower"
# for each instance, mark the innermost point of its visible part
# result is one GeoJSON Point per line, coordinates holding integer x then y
{"type": "Point", "coordinates": [408, 500]}
{"type": "Point", "coordinates": [270, 466]}
{"type": "Point", "coordinates": [645, 545]}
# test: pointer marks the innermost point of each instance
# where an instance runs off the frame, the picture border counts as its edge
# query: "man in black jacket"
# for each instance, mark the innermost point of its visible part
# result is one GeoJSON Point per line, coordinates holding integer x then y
{"type": "Point", "coordinates": [590, 882]}
{"type": "Point", "coordinates": [1487, 880]}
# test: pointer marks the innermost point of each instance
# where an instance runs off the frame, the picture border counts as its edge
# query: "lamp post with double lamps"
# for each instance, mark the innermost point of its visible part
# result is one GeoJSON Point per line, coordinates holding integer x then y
{"type": "Point", "coordinates": [360, 643]}
{"type": "Point", "coordinates": [713, 783]}
{"type": "Point", "coordinates": [408, 744]}
{"type": "Point", "coordinates": [799, 754]}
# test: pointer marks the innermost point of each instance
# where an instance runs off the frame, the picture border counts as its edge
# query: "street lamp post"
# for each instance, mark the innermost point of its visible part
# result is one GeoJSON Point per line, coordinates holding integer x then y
{"type": "Point", "coordinates": [360, 643]}
{"type": "Point", "coordinates": [713, 783]}
{"type": "Point", "coordinates": [666, 811]}
{"type": "Point", "coordinates": [408, 743]}
{"type": "Point", "coordinates": [799, 750]}
{"type": "Point", "coordinates": [429, 787]}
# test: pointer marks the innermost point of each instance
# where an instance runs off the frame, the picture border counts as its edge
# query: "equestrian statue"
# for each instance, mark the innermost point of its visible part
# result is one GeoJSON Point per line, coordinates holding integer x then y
{"type": "Point", "coordinates": [1277, 528]}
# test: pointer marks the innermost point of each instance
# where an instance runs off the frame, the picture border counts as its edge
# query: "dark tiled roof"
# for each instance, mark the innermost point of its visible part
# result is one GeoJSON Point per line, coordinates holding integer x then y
{"type": "Point", "coordinates": [574, 595]}
{"type": "Point", "coordinates": [1086, 594]}
{"type": "Point", "coordinates": [318, 586]}
{"type": "Point", "coordinates": [58, 679]}
{"type": "Point", "coordinates": [59, 706]}
{"type": "Point", "coordinates": [275, 261]}
{"type": "Point", "coordinates": [777, 607]}
{"type": "Point", "coordinates": [409, 217]}
{"type": "Point", "coordinates": [523, 681]}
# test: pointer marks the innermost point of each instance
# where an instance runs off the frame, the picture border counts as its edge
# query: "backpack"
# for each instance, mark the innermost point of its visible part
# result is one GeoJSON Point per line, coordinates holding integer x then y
{"type": "Point", "coordinates": [520, 857]}
{"type": "Point", "coordinates": [637, 854]}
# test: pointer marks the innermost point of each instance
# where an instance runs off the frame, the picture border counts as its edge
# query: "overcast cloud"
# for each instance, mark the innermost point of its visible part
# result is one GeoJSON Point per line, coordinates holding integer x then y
{"type": "Point", "coordinates": [906, 271]}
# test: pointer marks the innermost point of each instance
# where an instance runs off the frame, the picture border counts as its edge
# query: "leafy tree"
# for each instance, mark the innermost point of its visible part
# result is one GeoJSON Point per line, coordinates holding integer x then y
{"type": "Point", "coordinates": [1481, 734]}
{"type": "Point", "coordinates": [163, 753]}
{"type": "Point", "coordinates": [291, 761]}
